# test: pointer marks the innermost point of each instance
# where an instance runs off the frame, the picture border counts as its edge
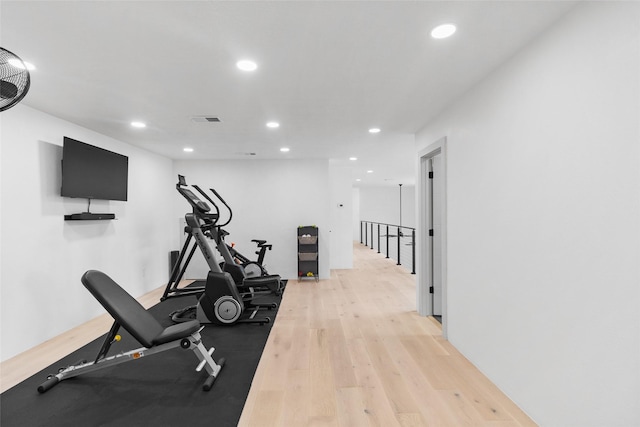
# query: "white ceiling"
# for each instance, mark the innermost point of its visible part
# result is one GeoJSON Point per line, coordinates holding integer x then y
{"type": "Point", "coordinates": [327, 71]}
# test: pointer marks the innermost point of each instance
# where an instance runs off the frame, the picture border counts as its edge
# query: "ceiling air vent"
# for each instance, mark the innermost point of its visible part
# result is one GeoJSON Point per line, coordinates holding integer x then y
{"type": "Point", "coordinates": [205, 119]}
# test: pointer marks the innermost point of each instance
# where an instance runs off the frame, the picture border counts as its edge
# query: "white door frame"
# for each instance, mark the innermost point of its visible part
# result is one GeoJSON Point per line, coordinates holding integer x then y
{"type": "Point", "coordinates": [424, 297]}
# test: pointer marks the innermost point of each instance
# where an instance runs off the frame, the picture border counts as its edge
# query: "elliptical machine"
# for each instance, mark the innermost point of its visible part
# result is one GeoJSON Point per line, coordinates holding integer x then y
{"type": "Point", "coordinates": [219, 301]}
{"type": "Point", "coordinates": [212, 228]}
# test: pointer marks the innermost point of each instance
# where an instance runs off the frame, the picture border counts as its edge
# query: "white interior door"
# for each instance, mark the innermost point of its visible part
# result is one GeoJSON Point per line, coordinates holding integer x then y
{"type": "Point", "coordinates": [432, 242]}
{"type": "Point", "coordinates": [436, 226]}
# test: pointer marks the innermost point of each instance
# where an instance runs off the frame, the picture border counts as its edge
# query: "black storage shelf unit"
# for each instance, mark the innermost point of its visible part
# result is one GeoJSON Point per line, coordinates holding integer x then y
{"type": "Point", "coordinates": [308, 252]}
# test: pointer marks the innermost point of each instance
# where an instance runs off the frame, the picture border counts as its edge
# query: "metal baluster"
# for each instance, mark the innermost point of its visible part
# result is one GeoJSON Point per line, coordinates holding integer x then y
{"type": "Point", "coordinates": [399, 246]}
{"type": "Point", "coordinates": [413, 251]}
{"type": "Point", "coordinates": [365, 234]}
{"type": "Point", "coordinates": [371, 235]}
{"type": "Point", "coordinates": [387, 240]}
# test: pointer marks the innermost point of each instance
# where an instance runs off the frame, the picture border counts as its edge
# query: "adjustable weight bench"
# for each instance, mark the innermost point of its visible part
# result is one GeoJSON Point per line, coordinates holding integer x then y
{"type": "Point", "coordinates": [128, 313]}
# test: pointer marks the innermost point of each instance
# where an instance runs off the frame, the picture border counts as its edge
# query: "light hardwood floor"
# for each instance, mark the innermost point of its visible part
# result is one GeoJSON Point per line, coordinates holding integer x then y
{"type": "Point", "coordinates": [352, 351]}
{"type": "Point", "coordinates": [347, 351]}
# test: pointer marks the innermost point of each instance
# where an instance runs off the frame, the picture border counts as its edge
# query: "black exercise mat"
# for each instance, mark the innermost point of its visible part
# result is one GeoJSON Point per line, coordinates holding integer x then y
{"type": "Point", "coordinates": [159, 390]}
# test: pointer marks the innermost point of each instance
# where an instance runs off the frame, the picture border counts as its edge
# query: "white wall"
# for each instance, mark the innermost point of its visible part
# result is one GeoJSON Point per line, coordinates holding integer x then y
{"type": "Point", "coordinates": [355, 214]}
{"type": "Point", "coordinates": [382, 204]}
{"type": "Point", "coordinates": [43, 256]}
{"type": "Point", "coordinates": [341, 215]}
{"type": "Point", "coordinates": [544, 221]}
{"type": "Point", "coordinates": [270, 199]}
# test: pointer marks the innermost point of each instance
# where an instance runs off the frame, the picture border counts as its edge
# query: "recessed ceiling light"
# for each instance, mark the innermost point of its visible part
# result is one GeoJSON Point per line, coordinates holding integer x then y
{"type": "Point", "coordinates": [284, 149]}
{"type": "Point", "coordinates": [188, 150]}
{"type": "Point", "coordinates": [247, 65]}
{"type": "Point", "coordinates": [138, 125]}
{"type": "Point", "coordinates": [443, 31]}
{"type": "Point", "coordinates": [369, 171]}
{"type": "Point", "coordinates": [358, 179]}
{"type": "Point", "coordinates": [353, 159]}
{"type": "Point", "coordinates": [374, 130]}
{"type": "Point", "coordinates": [273, 125]}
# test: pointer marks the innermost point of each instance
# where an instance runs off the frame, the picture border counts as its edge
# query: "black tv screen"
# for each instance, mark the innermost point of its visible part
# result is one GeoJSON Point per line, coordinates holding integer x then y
{"type": "Point", "coordinates": [92, 172]}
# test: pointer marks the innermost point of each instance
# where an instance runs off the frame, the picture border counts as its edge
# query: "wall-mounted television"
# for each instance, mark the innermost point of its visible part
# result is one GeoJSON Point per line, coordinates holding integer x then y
{"type": "Point", "coordinates": [93, 173]}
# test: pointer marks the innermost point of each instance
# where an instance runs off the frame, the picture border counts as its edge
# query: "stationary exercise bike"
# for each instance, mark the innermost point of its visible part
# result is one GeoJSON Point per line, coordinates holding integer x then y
{"type": "Point", "coordinates": [245, 272]}
{"type": "Point", "coordinates": [251, 268]}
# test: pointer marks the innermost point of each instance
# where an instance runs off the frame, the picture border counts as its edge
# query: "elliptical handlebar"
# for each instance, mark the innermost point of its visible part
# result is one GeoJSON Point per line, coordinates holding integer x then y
{"type": "Point", "coordinates": [200, 208]}
{"type": "Point", "coordinates": [219, 197]}
{"type": "Point", "coordinates": [206, 196]}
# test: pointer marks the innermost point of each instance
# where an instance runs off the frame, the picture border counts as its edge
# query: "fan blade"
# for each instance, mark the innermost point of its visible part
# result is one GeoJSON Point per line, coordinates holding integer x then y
{"type": "Point", "coordinates": [8, 90]}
